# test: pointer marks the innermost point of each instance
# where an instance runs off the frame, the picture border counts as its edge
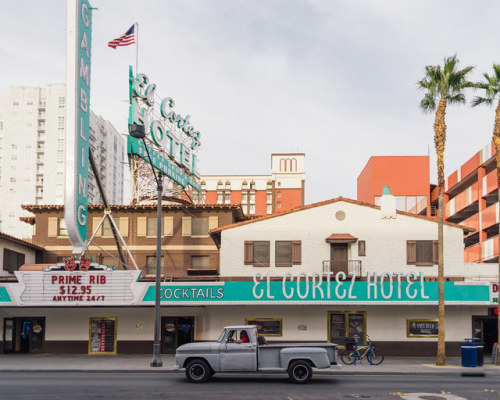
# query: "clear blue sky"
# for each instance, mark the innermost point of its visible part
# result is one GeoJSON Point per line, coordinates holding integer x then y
{"type": "Point", "coordinates": [333, 79]}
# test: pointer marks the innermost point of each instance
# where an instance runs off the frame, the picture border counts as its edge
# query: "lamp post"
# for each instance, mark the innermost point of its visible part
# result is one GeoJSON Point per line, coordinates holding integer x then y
{"type": "Point", "coordinates": [138, 131]}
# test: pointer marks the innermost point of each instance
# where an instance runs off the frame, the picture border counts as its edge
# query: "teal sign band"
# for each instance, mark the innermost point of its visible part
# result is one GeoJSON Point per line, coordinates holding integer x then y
{"type": "Point", "coordinates": [4, 295]}
{"type": "Point", "coordinates": [168, 168]}
{"type": "Point", "coordinates": [296, 293]}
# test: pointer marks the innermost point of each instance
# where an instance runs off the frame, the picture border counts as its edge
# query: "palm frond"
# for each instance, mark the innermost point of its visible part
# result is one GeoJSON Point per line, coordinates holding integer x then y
{"type": "Point", "coordinates": [481, 100]}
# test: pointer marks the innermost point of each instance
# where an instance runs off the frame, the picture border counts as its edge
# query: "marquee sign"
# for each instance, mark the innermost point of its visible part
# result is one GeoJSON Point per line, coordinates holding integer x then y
{"type": "Point", "coordinates": [174, 139]}
{"type": "Point", "coordinates": [79, 24]}
{"type": "Point", "coordinates": [77, 288]}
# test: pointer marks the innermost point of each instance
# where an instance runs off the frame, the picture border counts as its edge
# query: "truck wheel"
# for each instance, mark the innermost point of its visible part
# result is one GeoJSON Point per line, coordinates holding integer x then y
{"type": "Point", "coordinates": [198, 371]}
{"type": "Point", "coordinates": [300, 372]}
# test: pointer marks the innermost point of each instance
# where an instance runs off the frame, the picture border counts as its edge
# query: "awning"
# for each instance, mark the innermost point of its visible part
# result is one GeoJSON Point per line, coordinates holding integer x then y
{"type": "Point", "coordinates": [341, 238]}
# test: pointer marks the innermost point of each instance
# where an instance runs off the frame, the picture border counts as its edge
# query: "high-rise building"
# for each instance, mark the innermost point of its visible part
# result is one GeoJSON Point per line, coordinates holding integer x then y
{"type": "Point", "coordinates": [32, 153]}
{"type": "Point", "coordinates": [282, 190]}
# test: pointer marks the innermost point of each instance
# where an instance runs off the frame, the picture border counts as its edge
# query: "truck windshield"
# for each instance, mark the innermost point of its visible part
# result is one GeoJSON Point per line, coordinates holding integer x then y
{"type": "Point", "coordinates": [221, 336]}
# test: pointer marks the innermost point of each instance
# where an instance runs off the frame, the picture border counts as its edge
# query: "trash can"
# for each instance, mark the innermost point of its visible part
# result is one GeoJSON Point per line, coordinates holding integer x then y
{"type": "Point", "coordinates": [469, 353]}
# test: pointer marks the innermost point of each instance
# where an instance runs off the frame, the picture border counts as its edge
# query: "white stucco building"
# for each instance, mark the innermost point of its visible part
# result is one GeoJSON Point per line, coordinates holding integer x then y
{"type": "Point", "coordinates": [32, 153]}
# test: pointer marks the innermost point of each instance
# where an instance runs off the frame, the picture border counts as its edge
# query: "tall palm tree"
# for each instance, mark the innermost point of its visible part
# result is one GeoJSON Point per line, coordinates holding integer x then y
{"type": "Point", "coordinates": [491, 87]}
{"type": "Point", "coordinates": [442, 85]}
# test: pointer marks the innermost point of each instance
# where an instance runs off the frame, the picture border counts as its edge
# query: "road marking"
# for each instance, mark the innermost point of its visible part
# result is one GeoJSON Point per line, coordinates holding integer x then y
{"type": "Point", "coordinates": [423, 396]}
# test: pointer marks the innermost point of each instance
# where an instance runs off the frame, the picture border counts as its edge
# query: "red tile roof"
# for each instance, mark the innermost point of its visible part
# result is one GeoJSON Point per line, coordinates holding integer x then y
{"type": "Point", "coordinates": [341, 237]}
{"type": "Point", "coordinates": [323, 203]}
{"type": "Point", "coordinates": [20, 241]}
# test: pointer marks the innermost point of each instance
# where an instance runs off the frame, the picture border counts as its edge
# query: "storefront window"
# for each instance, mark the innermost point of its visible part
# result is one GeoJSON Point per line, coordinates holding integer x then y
{"type": "Point", "coordinates": [102, 338]}
{"type": "Point", "coordinates": [343, 324]}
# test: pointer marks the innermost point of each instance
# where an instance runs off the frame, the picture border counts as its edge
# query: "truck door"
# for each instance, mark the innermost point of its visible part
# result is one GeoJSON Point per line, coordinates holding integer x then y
{"type": "Point", "coordinates": [236, 355]}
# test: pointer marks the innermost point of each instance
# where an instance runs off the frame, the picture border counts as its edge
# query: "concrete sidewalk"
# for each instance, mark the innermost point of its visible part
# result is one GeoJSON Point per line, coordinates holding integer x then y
{"type": "Point", "coordinates": [140, 363]}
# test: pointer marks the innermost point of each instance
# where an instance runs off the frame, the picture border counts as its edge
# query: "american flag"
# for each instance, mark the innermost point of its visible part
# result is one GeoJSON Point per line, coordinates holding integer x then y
{"type": "Point", "coordinates": [124, 40]}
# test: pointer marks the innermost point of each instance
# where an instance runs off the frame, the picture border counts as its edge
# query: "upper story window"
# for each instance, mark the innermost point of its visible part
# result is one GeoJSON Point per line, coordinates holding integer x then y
{"type": "Point", "coordinates": [199, 226]}
{"type": "Point", "coordinates": [422, 252]}
{"type": "Point", "coordinates": [61, 227]}
{"type": "Point", "coordinates": [257, 253]}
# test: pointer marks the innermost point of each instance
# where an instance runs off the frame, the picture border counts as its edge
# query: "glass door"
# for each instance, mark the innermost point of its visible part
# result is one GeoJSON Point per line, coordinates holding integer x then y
{"type": "Point", "coordinates": [344, 324]}
{"type": "Point", "coordinates": [9, 335]}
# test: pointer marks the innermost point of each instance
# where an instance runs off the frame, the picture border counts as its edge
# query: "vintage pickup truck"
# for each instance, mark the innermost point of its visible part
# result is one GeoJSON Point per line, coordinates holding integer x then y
{"type": "Point", "coordinates": [234, 352]}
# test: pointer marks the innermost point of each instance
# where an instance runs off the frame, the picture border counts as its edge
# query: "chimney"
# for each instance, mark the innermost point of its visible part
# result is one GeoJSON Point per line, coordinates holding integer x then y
{"type": "Point", "coordinates": [387, 204]}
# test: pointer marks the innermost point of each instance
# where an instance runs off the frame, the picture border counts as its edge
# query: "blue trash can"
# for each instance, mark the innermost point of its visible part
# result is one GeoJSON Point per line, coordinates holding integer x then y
{"type": "Point", "coordinates": [469, 353]}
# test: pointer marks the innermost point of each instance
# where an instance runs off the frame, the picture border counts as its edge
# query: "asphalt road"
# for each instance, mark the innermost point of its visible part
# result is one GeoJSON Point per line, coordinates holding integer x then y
{"type": "Point", "coordinates": [154, 385]}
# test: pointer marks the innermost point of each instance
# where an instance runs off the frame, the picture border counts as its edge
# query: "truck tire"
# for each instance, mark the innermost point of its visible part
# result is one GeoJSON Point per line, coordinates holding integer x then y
{"type": "Point", "coordinates": [300, 372]}
{"type": "Point", "coordinates": [198, 371]}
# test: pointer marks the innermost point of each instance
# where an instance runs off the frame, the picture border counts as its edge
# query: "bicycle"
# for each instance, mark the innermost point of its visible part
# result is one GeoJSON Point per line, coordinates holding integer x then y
{"type": "Point", "coordinates": [354, 352]}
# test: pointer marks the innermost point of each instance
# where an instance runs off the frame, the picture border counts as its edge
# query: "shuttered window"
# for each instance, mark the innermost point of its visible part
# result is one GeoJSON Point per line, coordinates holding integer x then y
{"type": "Point", "coordinates": [261, 253]}
{"type": "Point", "coordinates": [296, 252]}
{"type": "Point", "coordinates": [199, 226]}
{"type": "Point", "coordinates": [421, 252]}
{"type": "Point", "coordinates": [361, 248]}
{"type": "Point", "coordinates": [283, 253]}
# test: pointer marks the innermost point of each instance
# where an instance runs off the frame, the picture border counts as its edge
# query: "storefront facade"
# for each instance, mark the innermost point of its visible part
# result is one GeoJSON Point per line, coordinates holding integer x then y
{"type": "Point", "coordinates": [118, 314]}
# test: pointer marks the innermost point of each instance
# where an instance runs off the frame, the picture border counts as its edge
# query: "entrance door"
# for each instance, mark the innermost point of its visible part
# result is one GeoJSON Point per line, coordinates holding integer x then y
{"type": "Point", "coordinates": [24, 334]}
{"type": "Point", "coordinates": [338, 257]}
{"type": "Point", "coordinates": [486, 330]}
{"type": "Point", "coordinates": [175, 332]}
{"type": "Point", "coordinates": [9, 335]}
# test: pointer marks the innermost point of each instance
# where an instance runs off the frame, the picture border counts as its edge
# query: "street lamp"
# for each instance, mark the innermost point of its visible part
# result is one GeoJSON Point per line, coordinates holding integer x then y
{"type": "Point", "coordinates": [138, 131]}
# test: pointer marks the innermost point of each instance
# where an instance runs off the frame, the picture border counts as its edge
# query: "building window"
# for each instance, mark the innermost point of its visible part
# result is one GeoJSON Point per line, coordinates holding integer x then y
{"type": "Point", "coordinates": [200, 262]}
{"type": "Point", "coordinates": [199, 226]}
{"type": "Point", "coordinates": [151, 265]}
{"type": "Point", "coordinates": [113, 262]}
{"type": "Point", "coordinates": [251, 209]}
{"type": "Point", "coordinates": [422, 252]}
{"type": "Point", "coordinates": [361, 248]}
{"type": "Point", "coordinates": [219, 197]}
{"type": "Point", "coordinates": [12, 260]}
{"type": "Point", "coordinates": [257, 253]}
{"type": "Point", "coordinates": [343, 324]}
{"type": "Point", "coordinates": [269, 209]}
{"type": "Point", "coordinates": [61, 227]}
{"type": "Point", "coordinates": [279, 194]}
{"type": "Point", "coordinates": [151, 227]}
{"type": "Point", "coordinates": [288, 253]}
{"type": "Point", "coordinates": [227, 199]}
{"type": "Point", "coordinates": [252, 198]}
{"type": "Point", "coordinates": [102, 335]}
{"type": "Point", "coordinates": [244, 198]}
{"type": "Point", "coordinates": [269, 197]}
{"type": "Point", "coordinates": [60, 122]}
{"type": "Point", "coordinates": [106, 227]}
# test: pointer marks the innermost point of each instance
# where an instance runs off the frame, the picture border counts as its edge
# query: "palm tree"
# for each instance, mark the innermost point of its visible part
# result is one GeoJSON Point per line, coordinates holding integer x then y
{"type": "Point", "coordinates": [443, 85]}
{"type": "Point", "coordinates": [491, 87]}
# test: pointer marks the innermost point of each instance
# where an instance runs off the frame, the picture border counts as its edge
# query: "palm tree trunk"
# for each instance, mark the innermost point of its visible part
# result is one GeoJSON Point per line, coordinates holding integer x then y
{"type": "Point", "coordinates": [496, 141]}
{"type": "Point", "coordinates": [439, 142]}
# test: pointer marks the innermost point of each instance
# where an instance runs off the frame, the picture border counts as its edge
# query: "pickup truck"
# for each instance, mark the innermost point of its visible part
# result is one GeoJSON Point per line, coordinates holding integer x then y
{"type": "Point", "coordinates": [233, 352]}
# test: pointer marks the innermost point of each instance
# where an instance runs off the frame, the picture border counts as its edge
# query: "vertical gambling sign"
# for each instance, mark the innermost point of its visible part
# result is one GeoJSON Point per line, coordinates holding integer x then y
{"type": "Point", "coordinates": [79, 24]}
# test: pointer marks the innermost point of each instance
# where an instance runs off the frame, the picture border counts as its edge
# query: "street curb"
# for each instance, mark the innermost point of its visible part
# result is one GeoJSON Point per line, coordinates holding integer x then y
{"type": "Point", "coordinates": [323, 373]}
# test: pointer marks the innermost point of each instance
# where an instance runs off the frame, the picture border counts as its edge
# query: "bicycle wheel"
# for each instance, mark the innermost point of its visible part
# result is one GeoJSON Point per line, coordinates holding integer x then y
{"type": "Point", "coordinates": [377, 357]}
{"type": "Point", "coordinates": [348, 356]}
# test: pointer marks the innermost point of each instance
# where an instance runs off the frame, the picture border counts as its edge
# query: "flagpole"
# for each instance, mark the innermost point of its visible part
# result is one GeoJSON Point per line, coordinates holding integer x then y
{"type": "Point", "coordinates": [136, 48]}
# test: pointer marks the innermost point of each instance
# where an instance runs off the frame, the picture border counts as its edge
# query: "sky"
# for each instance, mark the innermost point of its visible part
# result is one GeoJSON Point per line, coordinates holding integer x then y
{"type": "Point", "coordinates": [333, 79]}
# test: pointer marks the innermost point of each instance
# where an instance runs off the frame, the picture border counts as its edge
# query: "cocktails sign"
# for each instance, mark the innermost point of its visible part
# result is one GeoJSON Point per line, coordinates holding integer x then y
{"type": "Point", "coordinates": [175, 139]}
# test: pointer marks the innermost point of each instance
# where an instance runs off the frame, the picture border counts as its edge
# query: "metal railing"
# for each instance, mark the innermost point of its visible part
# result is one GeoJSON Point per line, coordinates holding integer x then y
{"type": "Point", "coordinates": [346, 266]}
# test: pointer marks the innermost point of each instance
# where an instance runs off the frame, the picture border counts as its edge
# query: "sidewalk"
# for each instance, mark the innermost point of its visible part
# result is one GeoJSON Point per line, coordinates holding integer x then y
{"type": "Point", "coordinates": [140, 363]}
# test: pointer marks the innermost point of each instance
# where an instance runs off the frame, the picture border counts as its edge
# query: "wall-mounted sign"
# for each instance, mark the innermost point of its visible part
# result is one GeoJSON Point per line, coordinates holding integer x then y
{"type": "Point", "coordinates": [79, 31]}
{"type": "Point", "coordinates": [175, 139]}
{"type": "Point", "coordinates": [494, 293]}
{"type": "Point", "coordinates": [298, 291]}
{"type": "Point", "coordinates": [63, 288]}
{"type": "Point", "coordinates": [267, 326]}
{"type": "Point", "coordinates": [422, 328]}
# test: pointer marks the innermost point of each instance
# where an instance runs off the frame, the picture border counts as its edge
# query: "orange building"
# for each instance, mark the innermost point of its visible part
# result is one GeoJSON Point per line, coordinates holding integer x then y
{"type": "Point", "coordinates": [471, 199]}
{"type": "Point", "coordinates": [260, 195]}
{"type": "Point", "coordinates": [407, 177]}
